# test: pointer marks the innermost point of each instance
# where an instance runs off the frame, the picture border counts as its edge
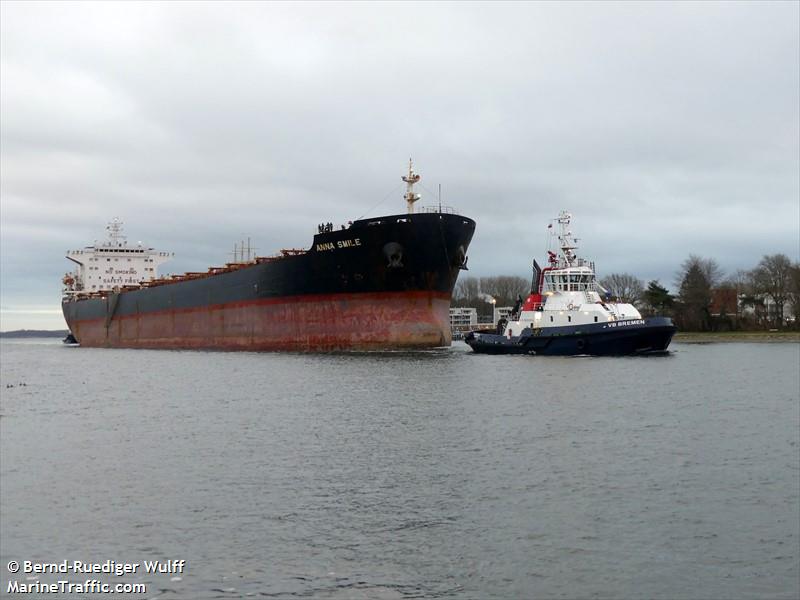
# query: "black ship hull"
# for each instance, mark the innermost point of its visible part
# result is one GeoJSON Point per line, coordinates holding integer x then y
{"type": "Point", "coordinates": [637, 336]}
{"type": "Point", "coordinates": [380, 283]}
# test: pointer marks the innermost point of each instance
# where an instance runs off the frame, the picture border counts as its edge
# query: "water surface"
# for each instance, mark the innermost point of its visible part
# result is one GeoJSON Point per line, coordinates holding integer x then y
{"type": "Point", "coordinates": [439, 474]}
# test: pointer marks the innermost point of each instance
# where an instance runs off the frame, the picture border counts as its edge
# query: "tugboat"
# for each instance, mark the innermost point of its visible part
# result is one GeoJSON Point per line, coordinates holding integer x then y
{"type": "Point", "coordinates": [565, 314]}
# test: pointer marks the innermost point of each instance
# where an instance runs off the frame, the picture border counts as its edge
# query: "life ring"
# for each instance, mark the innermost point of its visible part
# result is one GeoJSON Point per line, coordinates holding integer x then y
{"type": "Point", "coordinates": [571, 306]}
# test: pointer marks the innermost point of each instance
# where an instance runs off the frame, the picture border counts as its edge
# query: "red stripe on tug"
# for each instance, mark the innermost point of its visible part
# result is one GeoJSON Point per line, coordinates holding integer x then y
{"type": "Point", "coordinates": [532, 302]}
{"type": "Point", "coordinates": [308, 323]}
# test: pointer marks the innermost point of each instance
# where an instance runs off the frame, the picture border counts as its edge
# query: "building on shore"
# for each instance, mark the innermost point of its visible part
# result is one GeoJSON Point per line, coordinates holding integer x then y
{"type": "Point", "coordinates": [462, 320]}
{"type": "Point", "coordinates": [463, 317]}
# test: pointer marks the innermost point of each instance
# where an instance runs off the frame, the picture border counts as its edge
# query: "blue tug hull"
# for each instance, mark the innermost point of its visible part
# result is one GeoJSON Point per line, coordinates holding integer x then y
{"type": "Point", "coordinates": [617, 338]}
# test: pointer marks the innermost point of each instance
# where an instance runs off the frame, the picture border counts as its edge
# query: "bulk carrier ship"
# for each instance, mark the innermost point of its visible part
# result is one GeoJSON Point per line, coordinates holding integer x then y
{"type": "Point", "coordinates": [378, 283]}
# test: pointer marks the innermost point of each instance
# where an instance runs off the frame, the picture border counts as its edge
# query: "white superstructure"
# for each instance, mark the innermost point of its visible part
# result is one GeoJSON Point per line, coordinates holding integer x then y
{"type": "Point", "coordinates": [112, 264]}
{"type": "Point", "coordinates": [565, 293]}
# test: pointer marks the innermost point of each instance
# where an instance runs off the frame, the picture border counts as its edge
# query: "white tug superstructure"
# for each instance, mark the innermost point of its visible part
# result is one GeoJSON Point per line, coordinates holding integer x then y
{"type": "Point", "coordinates": [565, 293]}
{"type": "Point", "coordinates": [112, 265]}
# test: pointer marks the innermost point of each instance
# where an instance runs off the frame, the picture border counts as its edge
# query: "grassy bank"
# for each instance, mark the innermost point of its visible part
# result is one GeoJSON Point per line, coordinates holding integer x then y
{"type": "Point", "coordinates": [737, 336]}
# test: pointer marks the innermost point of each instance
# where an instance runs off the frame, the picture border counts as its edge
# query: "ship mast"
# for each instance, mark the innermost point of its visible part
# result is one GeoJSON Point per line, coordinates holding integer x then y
{"type": "Point", "coordinates": [565, 238]}
{"type": "Point", "coordinates": [410, 180]}
{"type": "Point", "coordinates": [115, 237]}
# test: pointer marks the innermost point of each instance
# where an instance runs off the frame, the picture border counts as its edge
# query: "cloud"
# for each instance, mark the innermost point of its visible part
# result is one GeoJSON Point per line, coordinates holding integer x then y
{"type": "Point", "coordinates": [667, 128]}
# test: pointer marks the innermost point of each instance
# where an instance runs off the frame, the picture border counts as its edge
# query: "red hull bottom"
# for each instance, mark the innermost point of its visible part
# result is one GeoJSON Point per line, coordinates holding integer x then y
{"type": "Point", "coordinates": [341, 322]}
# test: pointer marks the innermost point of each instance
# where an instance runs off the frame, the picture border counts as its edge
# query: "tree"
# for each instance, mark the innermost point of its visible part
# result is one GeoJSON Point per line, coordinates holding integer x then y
{"type": "Point", "coordinates": [772, 277]}
{"type": "Point", "coordinates": [467, 294]}
{"type": "Point", "coordinates": [742, 280]}
{"type": "Point", "coordinates": [467, 290]}
{"type": "Point", "coordinates": [749, 305]}
{"type": "Point", "coordinates": [696, 280]}
{"type": "Point", "coordinates": [624, 287]}
{"type": "Point", "coordinates": [657, 298]}
{"type": "Point", "coordinates": [471, 292]}
{"type": "Point", "coordinates": [708, 267]}
{"type": "Point", "coordinates": [505, 288]}
{"type": "Point", "coordinates": [712, 271]}
{"type": "Point", "coordinates": [794, 292]}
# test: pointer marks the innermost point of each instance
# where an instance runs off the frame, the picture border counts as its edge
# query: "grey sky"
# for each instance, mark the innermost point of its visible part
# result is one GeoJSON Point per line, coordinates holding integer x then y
{"type": "Point", "coordinates": [667, 129]}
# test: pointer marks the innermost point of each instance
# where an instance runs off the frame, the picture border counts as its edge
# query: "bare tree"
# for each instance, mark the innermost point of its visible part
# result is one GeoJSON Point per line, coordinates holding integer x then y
{"type": "Point", "coordinates": [712, 272]}
{"type": "Point", "coordinates": [772, 277]}
{"type": "Point", "coordinates": [468, 294]}
{"type": "Point", "coordinates": [467, 289]}
{"type": "Point", "coordinates": [625, 287]}
{"type": "Point", "coordinates": [505, 288]}
{"type": "Point", "coordinates": [742, 282]}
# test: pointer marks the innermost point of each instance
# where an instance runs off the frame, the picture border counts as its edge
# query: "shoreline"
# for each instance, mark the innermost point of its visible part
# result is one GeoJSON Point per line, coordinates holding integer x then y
{"type": "Point", "coordinates": [697, 337]}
